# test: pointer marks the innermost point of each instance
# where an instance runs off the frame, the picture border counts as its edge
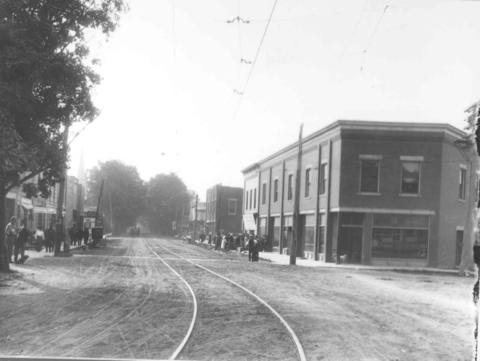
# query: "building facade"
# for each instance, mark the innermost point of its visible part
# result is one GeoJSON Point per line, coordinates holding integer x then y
{"type": "Point", "coordinates": [370, 193]}
{"type": "Point", "coordinates": [197, 221]}
{"type": "Point", "coordinates": [223, 210]}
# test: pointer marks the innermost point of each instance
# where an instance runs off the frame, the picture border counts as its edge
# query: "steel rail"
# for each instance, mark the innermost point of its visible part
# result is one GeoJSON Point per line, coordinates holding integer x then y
{"type": "Point", "coordinates": [301, 352]}
{"type": "Point", "coordinates": [194, 318]}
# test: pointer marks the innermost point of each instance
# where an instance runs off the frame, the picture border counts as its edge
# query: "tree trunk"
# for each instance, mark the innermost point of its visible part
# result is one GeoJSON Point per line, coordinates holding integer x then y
{"type": "Point", "coordinates": [4, 266]}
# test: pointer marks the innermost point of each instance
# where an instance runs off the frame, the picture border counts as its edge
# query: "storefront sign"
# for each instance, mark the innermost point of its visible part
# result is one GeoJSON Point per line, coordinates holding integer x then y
{"type": "Point", "coordinates": [249, 222]}
{"type": "Point", "coordinates": [44, 210]}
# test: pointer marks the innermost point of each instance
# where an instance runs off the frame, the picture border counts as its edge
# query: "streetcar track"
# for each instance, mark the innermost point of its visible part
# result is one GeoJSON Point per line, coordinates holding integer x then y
{"type": "Point", "coordinates": [301, 352]}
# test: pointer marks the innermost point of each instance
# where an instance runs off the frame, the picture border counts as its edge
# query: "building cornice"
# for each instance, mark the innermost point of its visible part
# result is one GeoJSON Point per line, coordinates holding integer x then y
{"type": "Point", "coordinates": [364, 125]}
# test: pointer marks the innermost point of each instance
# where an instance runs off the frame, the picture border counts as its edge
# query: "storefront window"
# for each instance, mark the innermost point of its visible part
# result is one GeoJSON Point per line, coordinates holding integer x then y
{"type": "Point", "coordinates": [276, 232]}
{"type": "Point", "coordinates": [263, 226]}
{"type": "Point", "coordinates": [287, 232]}
{"type": "Point", "coordinates": [309, 232]}
{"type": "Point", "coordinates": [400, 236]}
{"type": "Point", "coordinates": [321, 233]}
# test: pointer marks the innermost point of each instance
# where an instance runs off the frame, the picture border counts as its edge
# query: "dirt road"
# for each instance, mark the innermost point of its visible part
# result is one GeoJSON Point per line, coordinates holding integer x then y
{"type": "Point", "coordinates": [122, 301]}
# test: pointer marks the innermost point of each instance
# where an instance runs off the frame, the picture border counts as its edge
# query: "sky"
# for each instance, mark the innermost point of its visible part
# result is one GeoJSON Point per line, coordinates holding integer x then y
{"type": "Point", "coordinates": [172, 70]}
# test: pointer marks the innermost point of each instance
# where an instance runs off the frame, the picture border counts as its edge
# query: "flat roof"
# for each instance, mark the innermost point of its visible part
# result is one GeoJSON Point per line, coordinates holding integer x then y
{"type": "Point", "coordinates": [368, 125]}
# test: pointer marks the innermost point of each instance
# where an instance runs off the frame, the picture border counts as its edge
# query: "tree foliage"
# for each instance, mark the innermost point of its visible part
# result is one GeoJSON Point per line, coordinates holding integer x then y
{"type": "Point", "coordinates": [124, 193]}
{"type": "Point", "coordinates": [167, 195]}
{"type": "Point", "coordinates": [45, 85]}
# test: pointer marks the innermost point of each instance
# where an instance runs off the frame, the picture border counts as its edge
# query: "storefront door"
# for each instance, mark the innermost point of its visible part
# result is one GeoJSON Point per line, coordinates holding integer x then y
{"type": "Point", "coordinates": [350, 244]}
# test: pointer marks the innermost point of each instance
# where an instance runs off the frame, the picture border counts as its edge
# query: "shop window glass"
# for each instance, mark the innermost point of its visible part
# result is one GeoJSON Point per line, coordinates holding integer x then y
{"type": "Point", "coordinates": [276, 232]}
{"type": "Point", "coordinates": [263, 226]}
{"type": "Point", "coordinates": [400, 243]}
{"type": "Point", "coordinates": [410, 177]}
{"type": "Point", "coordinates": [309, 233]}
{"type": "Point", "coordinates": [287, 232]}
{"type": "Point", "coordinates": [369, 176]}
{"type": "Point", "coordinates": [400, 221]}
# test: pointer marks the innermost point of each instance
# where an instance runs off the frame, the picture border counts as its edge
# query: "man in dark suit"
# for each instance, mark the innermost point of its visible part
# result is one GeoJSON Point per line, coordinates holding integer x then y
{"type": "Point", "coordinates": [86, 235]}
{"type": "Point", "coordinates": [22, 238]}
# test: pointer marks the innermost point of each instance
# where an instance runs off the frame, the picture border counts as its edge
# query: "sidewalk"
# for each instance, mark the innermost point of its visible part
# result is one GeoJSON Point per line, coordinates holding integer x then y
{"type": "Point", "coordinates": [285, 260]}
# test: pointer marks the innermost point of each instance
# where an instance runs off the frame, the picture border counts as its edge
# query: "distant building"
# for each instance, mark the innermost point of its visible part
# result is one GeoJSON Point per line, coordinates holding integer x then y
{"type": "Point", "coordinates": [224, 209]}
{"type": "Point", "coordinates": [371, 193]}
{"type": "Point", "coordinates": [200, 218]}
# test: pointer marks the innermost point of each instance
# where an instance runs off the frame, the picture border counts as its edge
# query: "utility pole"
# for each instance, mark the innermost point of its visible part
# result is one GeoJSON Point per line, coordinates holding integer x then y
{"type": "Point", "coordinates": [195, 220]}
{"type": "Point", "coordinates": [98, 218]}
{"type": "Point", "coordinates": [296, 210]}
{"type": "Point", "coordinates": [111, 210]}
{"type": "Point", "coordinates": [60, 226]}
{"type": "Point", "coordinates": [181, 219]}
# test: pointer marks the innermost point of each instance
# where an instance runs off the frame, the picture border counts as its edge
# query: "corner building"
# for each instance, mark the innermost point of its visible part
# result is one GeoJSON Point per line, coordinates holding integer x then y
{"type": "Point", "coordinates": [373, 193]}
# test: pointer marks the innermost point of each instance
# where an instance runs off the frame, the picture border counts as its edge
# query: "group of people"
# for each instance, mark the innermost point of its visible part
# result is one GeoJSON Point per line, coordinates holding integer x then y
{"type": "Point", "coordinates": [17, 237]}
{"type": "Point", "coordinates": [231, 241]}
{"type": "Point", "coordinates": [77, 235]}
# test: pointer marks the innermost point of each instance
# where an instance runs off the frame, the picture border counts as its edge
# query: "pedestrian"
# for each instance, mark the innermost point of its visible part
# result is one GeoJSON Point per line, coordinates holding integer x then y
{"type": "Point", "coordinates": [210, 238]}
{"type": "Point", "coordinates": [251, 249]}
{"type": "Point", "coordinates": [224, 241]}
{"type": "Point", "coordinates": [86, 235]}
{"type": "Point", "coordinates": [79, 235]}
{"type": "Point", "coordinates": [39, 238]}
{"type": "Point", "coordinates": [49, 238]}
{"type": "Point", "coordinates": [72, 233]}
{"type": "Point", "coordinates": [20, 241]}
{"type": "Point", "coordinates": [10, 235]}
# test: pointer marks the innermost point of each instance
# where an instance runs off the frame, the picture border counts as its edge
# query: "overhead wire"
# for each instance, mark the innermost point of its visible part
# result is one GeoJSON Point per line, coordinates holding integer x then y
{"type": "Point", "coordinates": [373, 34]}
{"type": "Point", "coordinates": [255, 60]}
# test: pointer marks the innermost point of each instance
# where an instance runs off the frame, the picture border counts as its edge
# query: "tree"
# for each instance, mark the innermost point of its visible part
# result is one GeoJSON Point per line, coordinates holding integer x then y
{"type": "Point", "coordinates": [166, 197]}
{"type": "Point", "coordinates": [124, 193]}
{"type": "Point", "coordinates": [468, 148]}
{"type": "Point", "coordinates": [45, 86]}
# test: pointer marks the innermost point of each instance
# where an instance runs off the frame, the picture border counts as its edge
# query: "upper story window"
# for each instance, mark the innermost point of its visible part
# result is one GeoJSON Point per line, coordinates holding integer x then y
{"type": "Point", "coordinates": [246, 200]}
{"type": "Point", "coordinates": [290, 187]}
{"type": "Point", "coordinates": [275, 191]}
{"type": "Point", "coordinates": [410, 177]}
{"type": "Point", "coordinates": [462, 184]}
{"type": "Point", "coordinates": [323, 178]}
{"type": "Point", "coordinates": [255, 198]}
{"type": "Point", "coordinates": [250, 199]}
{"type": "Point", "coordinates": [264, 193]}
{"type": "Point", "coordinates": [370, 173]}
{"type": "Point", "coordinates": [308, 181]}
{"type": "Point", "coordinates": [232, 206]}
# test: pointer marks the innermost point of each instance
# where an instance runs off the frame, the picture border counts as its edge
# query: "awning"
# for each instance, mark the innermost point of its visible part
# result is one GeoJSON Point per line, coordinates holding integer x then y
{"type": "Point", "coordinates": [249, 222]}
{"type": "Point", "coordinates": [27, 203]}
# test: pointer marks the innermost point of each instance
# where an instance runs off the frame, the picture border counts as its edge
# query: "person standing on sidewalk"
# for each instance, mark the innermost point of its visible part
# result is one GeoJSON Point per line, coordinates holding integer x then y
{"type": "Point", "coordinates": [251, 249]}
{"type": "Point", "coordinates": [39, 238]}
{"type": "Point", "coordinates": [10, 235]}
{"type": "Point", "coordinates": [22, 238]}
{"type": "Point", "coordinates": [49, 238]}
{"type": "Point", "coordinates": [86, 235]}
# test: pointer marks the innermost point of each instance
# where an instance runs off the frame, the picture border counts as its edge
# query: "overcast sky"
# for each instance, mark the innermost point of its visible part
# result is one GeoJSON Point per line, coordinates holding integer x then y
{"type": "Point", "coordinates": [170, 73]}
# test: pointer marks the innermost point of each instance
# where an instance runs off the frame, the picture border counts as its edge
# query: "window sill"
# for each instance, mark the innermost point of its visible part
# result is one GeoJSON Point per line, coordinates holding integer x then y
{"type": "Point", "coordinates": [410, 195]}
{"type": "Point", "coordinates": [369, 194]}
{"type": "Point", "coordinates": [462, 200]}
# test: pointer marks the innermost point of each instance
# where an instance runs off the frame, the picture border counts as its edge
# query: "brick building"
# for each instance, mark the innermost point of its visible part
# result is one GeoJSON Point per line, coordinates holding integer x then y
{"type": "Point", "coordinates": [372, 192]}
{"type": "Point", "coordinates": [223, 210]}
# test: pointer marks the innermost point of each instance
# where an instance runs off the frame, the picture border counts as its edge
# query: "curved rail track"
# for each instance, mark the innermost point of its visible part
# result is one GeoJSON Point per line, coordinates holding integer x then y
{"type": "Point", "coordinates": [300, 351]}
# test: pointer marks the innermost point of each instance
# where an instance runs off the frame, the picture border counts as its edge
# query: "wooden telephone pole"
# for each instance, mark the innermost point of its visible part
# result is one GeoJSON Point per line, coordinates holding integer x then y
{"type": "Point", "coordinates": [60, 234]}
{"type": "Point", "coordinates": [296, 210]}
{"type": "Point", "coordinates": [195, 219]}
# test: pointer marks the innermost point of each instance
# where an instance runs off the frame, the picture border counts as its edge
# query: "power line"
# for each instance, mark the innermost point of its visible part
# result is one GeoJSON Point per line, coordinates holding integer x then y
{"type": "Point", "coordinates": [255, 60]}
{"type": "Point", "coordinates": [373, 34]}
